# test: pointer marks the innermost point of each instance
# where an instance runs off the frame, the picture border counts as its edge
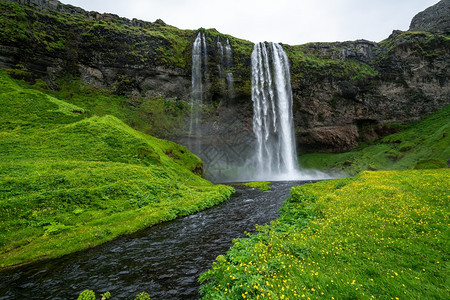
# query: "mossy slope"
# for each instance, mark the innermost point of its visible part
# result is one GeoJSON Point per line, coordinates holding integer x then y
{"type": "Point", "coordinates": [379, 235]}
{"type": "Point", "coordinates": [69, 181]}
{"type": "Point", "coordinates": [427, 140]}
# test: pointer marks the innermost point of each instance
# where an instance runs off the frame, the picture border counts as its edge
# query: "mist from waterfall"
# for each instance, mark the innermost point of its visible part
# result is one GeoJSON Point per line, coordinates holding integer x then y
{"type": "Point", "coordinates": [276, 154]}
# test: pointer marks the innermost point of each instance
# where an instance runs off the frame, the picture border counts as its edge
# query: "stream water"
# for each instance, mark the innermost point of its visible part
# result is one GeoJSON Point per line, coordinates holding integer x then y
{"type": "Point", "coordinates": [164, 260]}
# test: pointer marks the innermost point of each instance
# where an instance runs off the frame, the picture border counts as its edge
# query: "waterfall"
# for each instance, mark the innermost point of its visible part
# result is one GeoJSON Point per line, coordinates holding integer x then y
{"type": "Point", "coordinates": [205, 53]}
{"type": "Point", "coordinates": [227, 63]}
{"type": "Point", "coordinates": [230, 85]}
{"type": "Point", "coordinates": [227, 54]}
{"type": "Point", "coordinates": [276, 153]}
{"type": "Point", "coordinates": [221, 58]}
{"type": "Point", "coordinates": [224, 65]}
{"type": "Point", "coordinates": [197, 91]}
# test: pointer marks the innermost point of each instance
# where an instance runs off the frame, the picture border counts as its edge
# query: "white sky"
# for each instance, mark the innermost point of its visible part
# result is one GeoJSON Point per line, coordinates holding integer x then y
{"type": "Point", "coordinates": [288, 21]}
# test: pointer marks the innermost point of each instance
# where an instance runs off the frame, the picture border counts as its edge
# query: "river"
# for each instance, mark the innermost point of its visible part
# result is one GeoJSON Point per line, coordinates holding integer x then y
{"type": "Point", "coordinates": [164, 260]}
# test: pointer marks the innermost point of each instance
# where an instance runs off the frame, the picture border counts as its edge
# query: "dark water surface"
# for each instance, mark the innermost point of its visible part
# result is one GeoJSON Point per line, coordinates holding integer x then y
{"type": "Point", "coordinates": [164, 260]}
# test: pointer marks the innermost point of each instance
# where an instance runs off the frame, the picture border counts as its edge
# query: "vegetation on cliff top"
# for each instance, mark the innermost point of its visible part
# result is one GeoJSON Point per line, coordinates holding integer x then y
{"type": "Point", "coordinates": [314, 66]}
{"type": "Point", "coordinates": [58, 33]}
{"type": "Point", "coordinates": [75, 36]}
{"type": "Point", "coordinates": [316, 61]}
{"type": "Point", "coordinates": [424, 144]}
{"type": "Point", "coordinates": [69, 180]}
{"type": "Point", "coordinates": [378, 235]}
{"type": "Point", "coordinates": [421, 43]}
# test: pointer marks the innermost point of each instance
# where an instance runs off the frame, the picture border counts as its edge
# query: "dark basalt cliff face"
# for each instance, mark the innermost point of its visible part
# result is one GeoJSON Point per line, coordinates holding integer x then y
{"type": "Point", "coordinates": [52, 40]}
{"type": "Point", "coordinates": [434, 19]}
{"type": "Point", "coordinates": [402, 79]}
{"type": "Point", "coordinates": [344, 93]}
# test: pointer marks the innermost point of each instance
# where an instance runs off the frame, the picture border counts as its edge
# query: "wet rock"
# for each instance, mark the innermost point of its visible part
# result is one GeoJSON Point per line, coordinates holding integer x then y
{"type": "Point", "coordinates": [327, 139]}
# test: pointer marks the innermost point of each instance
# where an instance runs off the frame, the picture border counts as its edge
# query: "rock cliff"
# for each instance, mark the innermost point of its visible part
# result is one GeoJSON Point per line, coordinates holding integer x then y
{"type": "Point", "coordinates": [363, 88]}
{"type": "Point", "coordinates": [344, 93]}
{"type": "Point", "coordinates": [434, 19]}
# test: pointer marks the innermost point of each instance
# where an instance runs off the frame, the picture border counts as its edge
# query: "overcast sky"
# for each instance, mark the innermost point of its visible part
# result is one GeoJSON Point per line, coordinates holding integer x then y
{"type": "Point", "coordinates": [287, 21]}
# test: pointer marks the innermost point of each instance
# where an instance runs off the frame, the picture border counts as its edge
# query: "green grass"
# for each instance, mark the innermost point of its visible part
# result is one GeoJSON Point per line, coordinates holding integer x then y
{"type": "Point", "coordinates": [155, 116]}
{"type": "Point", "coordinates": [426, 140]}
{"type": "Point", "coordinates": [261, 185]}
{"type": "Point", "coordinates": [71, 180]}
{"type": "Point", "coordinates": [381, 235]}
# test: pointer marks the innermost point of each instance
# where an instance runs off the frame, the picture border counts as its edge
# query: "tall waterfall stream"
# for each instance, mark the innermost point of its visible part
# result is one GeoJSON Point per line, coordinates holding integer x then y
{"type": "Point", "coordinates": [273, 126]}
{"type": "Point", "coordinates": [164, 260]}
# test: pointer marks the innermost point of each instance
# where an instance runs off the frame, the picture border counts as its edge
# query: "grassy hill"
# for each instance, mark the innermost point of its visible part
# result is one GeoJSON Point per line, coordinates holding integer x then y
{"type": "Point", "coordinates": [70, 180]}
{"type": "Point", "coordinates": [424, 144]}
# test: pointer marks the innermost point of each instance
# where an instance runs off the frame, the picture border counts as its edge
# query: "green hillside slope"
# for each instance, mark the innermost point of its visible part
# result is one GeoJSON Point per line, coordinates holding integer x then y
{"type": "Point", "coordinates": [424, 144]}
{"type": "Point", "coordinates": [69, 181]}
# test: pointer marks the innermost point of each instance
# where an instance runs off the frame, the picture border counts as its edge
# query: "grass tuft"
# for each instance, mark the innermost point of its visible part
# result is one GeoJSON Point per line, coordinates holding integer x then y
{"type": "Point", "coordinates": [261, 185]}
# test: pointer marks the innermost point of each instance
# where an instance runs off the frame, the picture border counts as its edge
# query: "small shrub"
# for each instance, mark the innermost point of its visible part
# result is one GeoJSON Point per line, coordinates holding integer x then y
{"type": "Point", "coordinates": [394, 155]}
{"type": "Point", "coordinates": [372, 167]}
{"type": "Point", "coordinates": [55, 228]}
{"type": "Point", "coordinates": [405, 147]}
{"type": "Point", "coordinates": [20, 74]}
{"type": "Point", "coordinates": [142, 296]}
{"type": "Point", "coordinates": [303, 195]}
{"type": "Point", "coordinates": [86, 295]}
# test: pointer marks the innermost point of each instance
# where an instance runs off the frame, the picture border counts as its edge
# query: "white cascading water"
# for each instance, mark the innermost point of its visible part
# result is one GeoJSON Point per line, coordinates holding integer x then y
{"type": "Point", "coordinates": [228, 54]}
{"type": "Point", "coordinates": [276, 155]}
{"type": "Point", "coordinates": [224, 65]}
{"type": "Point", "coordinates": [197, 91]}
{"type": "Point", "coordinates": [227, 63]}
{"type": "Point", "coordinates": [221, 58]}
{"type": "Point", "coordinates": [205, 54]}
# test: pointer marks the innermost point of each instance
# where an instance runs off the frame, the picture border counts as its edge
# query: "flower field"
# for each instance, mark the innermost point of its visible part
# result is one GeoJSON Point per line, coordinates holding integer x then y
{"type": "Point", "coordinates": [380, 235]}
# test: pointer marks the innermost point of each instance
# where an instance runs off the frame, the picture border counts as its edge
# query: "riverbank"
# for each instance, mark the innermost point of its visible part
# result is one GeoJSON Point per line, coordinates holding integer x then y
{"type": "Point", "coordinates": [164, 260]}
{"type": "Point", "coordinates": [379, 234]}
